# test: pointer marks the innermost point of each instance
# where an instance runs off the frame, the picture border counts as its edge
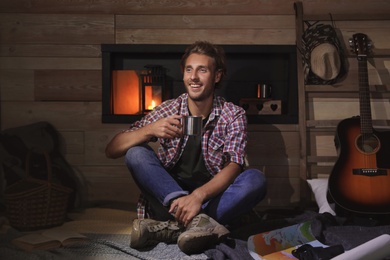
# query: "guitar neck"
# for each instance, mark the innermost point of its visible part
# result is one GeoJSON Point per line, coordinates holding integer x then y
{"type": "Point", "coordinates": [364, 97]}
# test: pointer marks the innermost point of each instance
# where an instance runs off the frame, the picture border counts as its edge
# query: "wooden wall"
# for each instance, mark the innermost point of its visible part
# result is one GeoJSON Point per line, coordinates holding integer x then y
{"type": "Point", "coordinates": [50, 69]}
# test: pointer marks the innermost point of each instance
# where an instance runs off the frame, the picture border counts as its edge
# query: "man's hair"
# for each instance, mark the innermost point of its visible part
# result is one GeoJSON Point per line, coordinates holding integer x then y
{"type": "Point", "coordinates": [215, 52]}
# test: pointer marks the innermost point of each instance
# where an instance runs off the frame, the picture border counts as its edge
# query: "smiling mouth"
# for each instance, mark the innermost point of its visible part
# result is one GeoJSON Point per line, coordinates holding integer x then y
{"type": "Point", "coordinates": [195, 85]}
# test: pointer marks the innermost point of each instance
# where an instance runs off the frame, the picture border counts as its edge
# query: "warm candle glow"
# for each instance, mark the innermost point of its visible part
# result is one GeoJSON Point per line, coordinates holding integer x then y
{"type": "Point", "coordinates": [258, 90]}
{"type": "Point", "coordinates": [153, 97]}
{"type": "Point", "coordinates": [151, 106]}
{"type": "Point", "coordinates": [125, 92]}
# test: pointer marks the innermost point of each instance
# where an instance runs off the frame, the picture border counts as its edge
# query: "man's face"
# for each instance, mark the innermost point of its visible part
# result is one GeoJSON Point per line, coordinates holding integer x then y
{"type": "Point", "coordinates": [200, 77]}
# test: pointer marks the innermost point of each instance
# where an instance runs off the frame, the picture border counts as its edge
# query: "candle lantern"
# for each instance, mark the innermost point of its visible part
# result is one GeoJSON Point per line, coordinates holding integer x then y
{"type": "Point", "coordinates": [137, 92]}
{"type": "Point", "coordinates": [153, 86]}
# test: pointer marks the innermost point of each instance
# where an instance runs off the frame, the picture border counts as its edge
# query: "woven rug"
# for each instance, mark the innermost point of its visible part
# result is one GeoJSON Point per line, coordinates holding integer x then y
{"type": "Point", "coordinates": [108, 232]}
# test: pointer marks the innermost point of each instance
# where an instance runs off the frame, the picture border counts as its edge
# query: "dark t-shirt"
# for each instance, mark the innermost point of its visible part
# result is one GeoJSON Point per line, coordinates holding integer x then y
{"type": "Point", "coordinates": [190, 171]}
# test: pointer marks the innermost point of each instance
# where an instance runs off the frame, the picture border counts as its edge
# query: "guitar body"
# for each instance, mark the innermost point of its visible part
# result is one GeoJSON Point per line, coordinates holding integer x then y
{"type": "Point", "coordinates": [360, 179]}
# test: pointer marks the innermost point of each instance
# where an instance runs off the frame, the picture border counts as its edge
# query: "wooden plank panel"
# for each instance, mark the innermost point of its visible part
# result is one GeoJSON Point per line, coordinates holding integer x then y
{"type": "Point", "coordinates": [50, 50]}
{"type": "Point", "coordinates": [284, 151]}
{"type": "Point", "coordinates": [325, 145]}
{"type": "Point", "coordinates": [68, 85]}
{"type": "Point", "coordinates": [72, 142]}
{"type": "Point", "coordinates": [204, 21]}
{"type": "Point", "coordinates": [95, 145]}
{"type": "Point", "coordinates": [353, 94]}
{"type": "Point", "coordinates": [378, 71]}
{"type": "Point", "coordinates": [100, 191]}
{"type": "Point", "coordinates": [326, 90]}
{"type": "Point", "coordinates": [347, 25]}
{"type": "Point", "coordinates": [50, 63]}
{"type": "Point", "coordinates": [109, 183]}
{"type": "Point", "coordinates": [151, 6]}
{"type": "Point", "coordinates": [340, 108]}
{"type": "Point", "coordinates": [347, 17]}
{"type": "Point", "coordinates": [75, 159]}
{"type": "Point", "coordinates": [319, 171]}
{"type": "Point", "coordinates": [63, 115]}
{"type": "Point", "coordinates": [272, 128]}
{"type": "Point", "coordinates": [219, 36]}
{"type": "Point", "coordinates": [356, 8]}
{"type": "Point", "coordinates": [80, 150]}
{"type": "Point", "coordinates": [278, 171]}
{"type": "Point", "coordinates": [196, 7]}
{"type": "Point", "coordinates": [17, 85]}
{"type": "Point", "coordinates": [281, 192]}
{"type": "Point", "coordinates": [56, 28]}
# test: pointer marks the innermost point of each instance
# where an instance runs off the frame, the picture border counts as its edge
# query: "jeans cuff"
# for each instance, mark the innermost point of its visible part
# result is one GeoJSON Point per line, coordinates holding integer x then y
{"type": "Point", "coordinates": [173, 195]}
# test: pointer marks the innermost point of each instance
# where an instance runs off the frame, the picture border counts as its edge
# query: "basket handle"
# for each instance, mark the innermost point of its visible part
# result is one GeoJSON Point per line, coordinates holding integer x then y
{"type": "Point", "coordinates": [48, 165]}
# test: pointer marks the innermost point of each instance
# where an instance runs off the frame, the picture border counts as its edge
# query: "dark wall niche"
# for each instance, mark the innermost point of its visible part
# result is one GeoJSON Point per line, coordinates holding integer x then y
{"type": "Point", "coordinates": [248, 65]}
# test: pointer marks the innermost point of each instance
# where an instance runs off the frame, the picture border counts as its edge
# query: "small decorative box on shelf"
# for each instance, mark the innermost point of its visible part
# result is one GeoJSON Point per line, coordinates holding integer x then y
{"type": "Point", "coordinates": [260, 106]}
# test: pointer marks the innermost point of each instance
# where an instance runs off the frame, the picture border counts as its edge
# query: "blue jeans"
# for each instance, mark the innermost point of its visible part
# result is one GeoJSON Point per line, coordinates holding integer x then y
{"type": "Point", "coordinates": [159, 187]}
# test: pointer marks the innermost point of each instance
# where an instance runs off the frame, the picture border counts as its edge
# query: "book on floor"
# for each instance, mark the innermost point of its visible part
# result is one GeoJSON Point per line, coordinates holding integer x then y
{"type": "Point", "coordinates": [48, 239]}
{"type": "Point", "coordinates": [279, 243]}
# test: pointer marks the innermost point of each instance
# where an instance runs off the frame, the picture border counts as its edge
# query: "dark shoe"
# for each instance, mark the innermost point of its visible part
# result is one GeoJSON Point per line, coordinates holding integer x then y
{"type": "Point", "coordinates": [202, 233]}
{"type": "Point", "coordinates": [148, 232]}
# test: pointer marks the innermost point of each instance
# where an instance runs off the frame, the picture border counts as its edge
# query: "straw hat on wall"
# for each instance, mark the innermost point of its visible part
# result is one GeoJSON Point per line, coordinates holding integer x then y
{"type": "Point", "coordinates": [323, 56]}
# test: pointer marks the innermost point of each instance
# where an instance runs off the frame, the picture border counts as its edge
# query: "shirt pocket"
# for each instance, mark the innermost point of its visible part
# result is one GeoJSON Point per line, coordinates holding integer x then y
{"type": "Point", "coordinates": [216, 143]}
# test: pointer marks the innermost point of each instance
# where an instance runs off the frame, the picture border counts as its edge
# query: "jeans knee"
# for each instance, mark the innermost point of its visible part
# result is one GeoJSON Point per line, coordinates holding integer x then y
{"type": "Point", "coordinates": [136, 155]}
{"type": "Point", "coordinates": [256, 182]}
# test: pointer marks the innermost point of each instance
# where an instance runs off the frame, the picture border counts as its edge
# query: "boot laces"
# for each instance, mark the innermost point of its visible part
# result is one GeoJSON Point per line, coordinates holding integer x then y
{"type": "Point", "coordinates": [167, 231]}
{"type": "Point", "coordinates": [200, 222]}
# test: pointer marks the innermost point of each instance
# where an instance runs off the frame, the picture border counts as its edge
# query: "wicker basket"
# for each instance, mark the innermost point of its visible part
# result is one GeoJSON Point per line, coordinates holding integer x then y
{"type": "Point", "coordinates": [36, 204]}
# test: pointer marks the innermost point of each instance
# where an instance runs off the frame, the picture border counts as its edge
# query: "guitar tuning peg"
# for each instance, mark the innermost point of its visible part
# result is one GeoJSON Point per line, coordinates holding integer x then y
{"type": "Point", "coordinates": [350, 42]}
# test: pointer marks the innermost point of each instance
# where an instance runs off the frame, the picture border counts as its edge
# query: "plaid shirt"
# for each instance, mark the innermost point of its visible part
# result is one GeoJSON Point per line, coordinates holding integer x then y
{"type": "Point", "coordinates": [224, 137]}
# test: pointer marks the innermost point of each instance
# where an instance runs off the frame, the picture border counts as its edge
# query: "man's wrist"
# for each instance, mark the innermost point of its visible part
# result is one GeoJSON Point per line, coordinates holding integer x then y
{"type": "Point", "coordinates": [200, 194]}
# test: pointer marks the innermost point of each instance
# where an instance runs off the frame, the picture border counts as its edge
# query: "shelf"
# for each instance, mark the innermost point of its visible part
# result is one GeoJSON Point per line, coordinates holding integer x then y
{"type": "Point", "coordinates": [345, 88]}
{"type": "Point", "coordinates": [375, 53]}
{"type": "Point", "coordinates": [322, 123]}
{"type": "Point", "coordinates": [335, 95]}
{"type": "Point", "coordinates": [345, 17]}
{"type": "Point", "coordinates": [321, 159]}
{"type": "Point", "coordinates": [333, 123]}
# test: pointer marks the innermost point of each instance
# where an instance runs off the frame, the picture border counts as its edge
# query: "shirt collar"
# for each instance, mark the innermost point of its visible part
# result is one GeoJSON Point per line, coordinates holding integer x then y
{"type": "Point", "coordinates": [215, 111]}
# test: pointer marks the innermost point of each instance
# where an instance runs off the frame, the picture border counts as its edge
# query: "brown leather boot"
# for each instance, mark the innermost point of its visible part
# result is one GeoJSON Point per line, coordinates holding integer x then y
{"type": "Point", "coordinates": [202, 233]}
{"type": "Point", "coordinates": [148, 232]}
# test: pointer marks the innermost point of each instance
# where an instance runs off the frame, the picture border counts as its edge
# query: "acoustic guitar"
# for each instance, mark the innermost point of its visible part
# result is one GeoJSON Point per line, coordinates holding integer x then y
{"type": "Point", "coordinates": [360, 179]}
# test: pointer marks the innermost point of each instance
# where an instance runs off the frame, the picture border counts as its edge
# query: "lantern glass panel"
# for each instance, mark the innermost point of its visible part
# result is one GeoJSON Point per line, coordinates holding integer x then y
{"type": "Point", "coordinates": [153, 96]}
{"type": "Point", "coordinates": [125, 92]}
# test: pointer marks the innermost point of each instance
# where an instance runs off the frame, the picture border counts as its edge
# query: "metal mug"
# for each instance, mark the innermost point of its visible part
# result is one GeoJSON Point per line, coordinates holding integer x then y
{"type": "Point", "coordinates": [192, 125]}
{"type": "Point", "coordinates": [265, 91]}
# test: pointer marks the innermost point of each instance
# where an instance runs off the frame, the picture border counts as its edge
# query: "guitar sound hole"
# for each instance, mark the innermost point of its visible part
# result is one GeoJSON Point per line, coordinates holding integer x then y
{"type": "Point", "coordinates": [368, 143]}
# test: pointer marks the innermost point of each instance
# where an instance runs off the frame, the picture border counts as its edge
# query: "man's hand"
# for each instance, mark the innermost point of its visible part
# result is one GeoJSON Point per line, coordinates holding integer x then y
{"type": "Point", "coordinates": [186, 208]}
{"type": "Point", "coordinates": [169, 127]}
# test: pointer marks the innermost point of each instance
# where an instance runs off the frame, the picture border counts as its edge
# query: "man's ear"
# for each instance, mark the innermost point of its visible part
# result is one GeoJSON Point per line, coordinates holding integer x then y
{"type": "Point", "coordinates": [218, 76]}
